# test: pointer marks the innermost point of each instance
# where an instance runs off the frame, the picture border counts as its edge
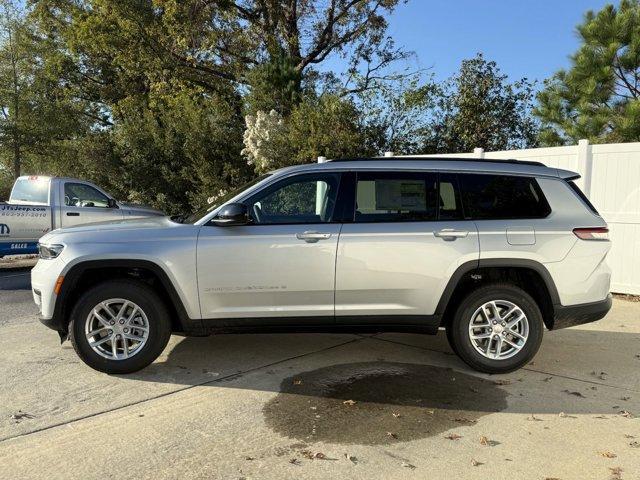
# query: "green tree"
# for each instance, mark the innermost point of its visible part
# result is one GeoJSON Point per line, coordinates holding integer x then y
{"type": "Point", "coordinates": [598, 98]}
{"type": "Point", "coordinates": [479, 108]}
{"type": "Point", "coordinates": [395, 114]}
{"type": "Point", "coordinates": [167, 82]}
{"type": "Point", "coordinates": [38, 117]}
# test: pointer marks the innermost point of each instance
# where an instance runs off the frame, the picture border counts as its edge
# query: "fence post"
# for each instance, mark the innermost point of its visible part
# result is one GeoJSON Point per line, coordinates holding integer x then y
{"type": "Point", "coordinates": [585, 165]}
{"type": "Point", "coordinates": [478, 152]}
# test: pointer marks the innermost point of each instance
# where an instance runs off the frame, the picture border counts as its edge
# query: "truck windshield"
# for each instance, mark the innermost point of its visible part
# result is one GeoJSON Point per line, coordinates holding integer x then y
{"type": "Point", "coordinates": [198, 214]}
{"type": "Point", "coordinates": [31, 189]}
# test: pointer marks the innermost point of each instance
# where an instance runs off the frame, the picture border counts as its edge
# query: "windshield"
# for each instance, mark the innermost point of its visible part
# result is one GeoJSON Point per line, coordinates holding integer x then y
{"type": "Point", "coordinates": [198, 214]}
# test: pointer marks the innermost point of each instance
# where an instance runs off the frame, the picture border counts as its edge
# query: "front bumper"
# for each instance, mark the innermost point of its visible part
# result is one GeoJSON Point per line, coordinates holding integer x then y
{"type": "Point", "coordinates": [572, 315]}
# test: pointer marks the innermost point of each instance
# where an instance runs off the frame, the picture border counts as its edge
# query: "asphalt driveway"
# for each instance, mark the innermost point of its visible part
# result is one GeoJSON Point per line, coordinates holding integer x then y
{"type": "Point", "coordinates": [319, 406]}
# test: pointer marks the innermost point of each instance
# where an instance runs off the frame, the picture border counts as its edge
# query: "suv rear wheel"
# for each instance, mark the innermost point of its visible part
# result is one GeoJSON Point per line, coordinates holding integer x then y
{"type": "Point", "coordinates": [496, 328]}
{"type": "Point", "coordinates": [119, 326]}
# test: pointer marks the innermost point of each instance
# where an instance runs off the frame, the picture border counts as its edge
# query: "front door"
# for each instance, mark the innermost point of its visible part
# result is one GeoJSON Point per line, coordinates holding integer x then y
{"type": "Point", "coordinates": [84, 204]}
{"type": "Point", "coordinates": [407, 237]}
{"type": "Point", "coordinates": [279, 267]}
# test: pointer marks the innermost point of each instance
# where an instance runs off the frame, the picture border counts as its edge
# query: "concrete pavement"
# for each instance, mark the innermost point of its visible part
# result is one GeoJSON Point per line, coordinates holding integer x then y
{"type": "Point", "coordinates": [319, 406]}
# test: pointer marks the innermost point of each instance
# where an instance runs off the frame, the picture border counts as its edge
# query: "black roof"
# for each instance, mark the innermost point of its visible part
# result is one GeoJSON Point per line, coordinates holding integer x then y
{"type": "Point", "coordinates": [441, 159]}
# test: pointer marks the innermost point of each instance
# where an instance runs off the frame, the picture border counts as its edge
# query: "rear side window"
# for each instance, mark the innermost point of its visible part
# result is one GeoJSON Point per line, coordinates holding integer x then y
{"type": "Point", "coordinates": [396, 197]}
{"type": "Point", "coordinates": [584, 198]}
{"type": "Point", "coordinates": [31, 189]}
{"type": "Point", "coordinates": [488, 197]}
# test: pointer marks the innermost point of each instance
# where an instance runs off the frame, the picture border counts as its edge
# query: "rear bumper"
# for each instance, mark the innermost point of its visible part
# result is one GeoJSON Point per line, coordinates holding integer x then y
{"type": "Point", "coordinates": [572, 315]}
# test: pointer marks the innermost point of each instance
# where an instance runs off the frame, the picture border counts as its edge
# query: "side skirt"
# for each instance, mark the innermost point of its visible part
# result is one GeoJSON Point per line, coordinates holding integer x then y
{"type": "Point", "coordinates": [425, 324]}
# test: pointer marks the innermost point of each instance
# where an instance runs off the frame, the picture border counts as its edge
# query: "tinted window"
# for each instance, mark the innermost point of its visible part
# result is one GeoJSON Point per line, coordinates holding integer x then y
{"type": "Point", "coordinates": [301, 199]}
{"type": "Point", "coordinates": [396, 197]}
{"type": "Point", "coordinates": [502, 197]}
{"type": "Point", "coordinates": [81, 195]}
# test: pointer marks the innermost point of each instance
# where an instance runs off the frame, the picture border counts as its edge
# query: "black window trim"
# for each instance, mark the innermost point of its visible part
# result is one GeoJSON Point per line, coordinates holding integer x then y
{"type": "Point", "coordinates": [577, 191]}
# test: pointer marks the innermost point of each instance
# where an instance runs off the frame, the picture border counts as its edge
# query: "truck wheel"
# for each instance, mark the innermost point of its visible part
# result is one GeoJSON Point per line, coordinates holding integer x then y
{"type": "Point", "coordinates": [496, 328]}
{"type": "Point", "coordinates": [119, 326]}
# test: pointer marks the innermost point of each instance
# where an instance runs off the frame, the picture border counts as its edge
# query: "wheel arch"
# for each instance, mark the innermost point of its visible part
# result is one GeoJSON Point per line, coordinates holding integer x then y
{"type": "Point", "coordinates": [530, 275]}
{"type": "Point", "coordinates": [84, 275]}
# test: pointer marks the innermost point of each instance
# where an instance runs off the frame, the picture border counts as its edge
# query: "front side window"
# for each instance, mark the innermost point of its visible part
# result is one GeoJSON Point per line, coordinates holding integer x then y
{"type": "Point", "coordinates": [396, 197]}
{"type": "Point", "coordinates": [81, 195]}
{"type": "Point", "coordinates": [307, 198]}
{"type": "Point", "coordinates": [488, 197]}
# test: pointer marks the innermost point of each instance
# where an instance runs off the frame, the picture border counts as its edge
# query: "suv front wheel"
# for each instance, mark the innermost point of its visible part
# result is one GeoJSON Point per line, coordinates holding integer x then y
{"type": "Point", "coordinates": [119, 326]}
{"type": "Point", "coordinates": [496, 328]}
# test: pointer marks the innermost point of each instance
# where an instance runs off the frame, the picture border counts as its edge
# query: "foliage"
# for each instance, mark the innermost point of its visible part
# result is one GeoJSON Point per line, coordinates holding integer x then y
{"type": "Point", "coordinates": [165, 101]}
{"type": "Point", "coordinates": [598, 98]}
{"type": "Point", "coordinates": [396, 114]}
{"type": "Point", "coordinates": [479, 108]}
{"type": "Point", "coordinates": [324, 126]}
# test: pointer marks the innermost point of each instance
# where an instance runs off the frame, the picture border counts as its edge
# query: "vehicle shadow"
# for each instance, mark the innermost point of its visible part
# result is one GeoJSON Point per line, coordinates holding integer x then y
{"type": "Point", "coordinates": [409, 385]}
{"type": "Point", "coordinates": [428, 370]}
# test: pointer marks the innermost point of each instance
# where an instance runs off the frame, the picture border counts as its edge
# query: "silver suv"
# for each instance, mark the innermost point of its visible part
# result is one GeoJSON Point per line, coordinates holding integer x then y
{"type": "Point", "coordinates": [491, 251]}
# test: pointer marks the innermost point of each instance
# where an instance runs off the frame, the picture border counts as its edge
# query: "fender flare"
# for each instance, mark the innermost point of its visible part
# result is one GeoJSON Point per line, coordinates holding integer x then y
{"type": "Point", "coordinates": [472, 265]}
{"type": "Point", "coordinates": [71, 278]}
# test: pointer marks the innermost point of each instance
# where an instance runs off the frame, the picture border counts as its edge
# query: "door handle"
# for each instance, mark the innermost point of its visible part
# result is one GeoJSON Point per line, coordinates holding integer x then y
{"type": "Point", "coordinates": [451, 234]}
{"type": "Point", "coordinates": [73, 214]}
{"type": "Point", "coordinates": [312, 237]}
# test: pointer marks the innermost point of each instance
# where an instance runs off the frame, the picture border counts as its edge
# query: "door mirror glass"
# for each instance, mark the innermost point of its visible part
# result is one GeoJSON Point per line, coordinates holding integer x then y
{"type": "Point", "coordinates": [111, 203]}
{"type": "Point", "coordinates": [232, 214]}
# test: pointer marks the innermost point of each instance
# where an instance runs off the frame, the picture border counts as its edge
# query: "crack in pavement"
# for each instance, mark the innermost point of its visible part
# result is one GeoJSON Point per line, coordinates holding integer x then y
{"type": "Point", "coordinates": [231, 376]}
{"type": "Point", "coordinates": [559, 375]}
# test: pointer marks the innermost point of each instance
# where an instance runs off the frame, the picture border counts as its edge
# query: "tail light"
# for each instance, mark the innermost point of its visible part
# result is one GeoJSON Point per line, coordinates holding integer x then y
{"type": "Point", "coordinates": [592, 233]}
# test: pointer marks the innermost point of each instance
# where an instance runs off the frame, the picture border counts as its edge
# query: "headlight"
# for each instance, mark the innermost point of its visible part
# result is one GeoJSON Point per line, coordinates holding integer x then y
{"type": "Point", "coordinates": [49, 251]}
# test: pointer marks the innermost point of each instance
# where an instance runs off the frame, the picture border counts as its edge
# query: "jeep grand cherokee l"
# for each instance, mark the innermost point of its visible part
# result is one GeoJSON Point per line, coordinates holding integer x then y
{"type": "Point", "coordinates": [491, 251]}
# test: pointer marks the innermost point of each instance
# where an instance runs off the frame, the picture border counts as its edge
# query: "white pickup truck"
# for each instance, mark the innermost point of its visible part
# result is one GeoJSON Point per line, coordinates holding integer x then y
{"type": "Point", "coordinates": [40, 204]}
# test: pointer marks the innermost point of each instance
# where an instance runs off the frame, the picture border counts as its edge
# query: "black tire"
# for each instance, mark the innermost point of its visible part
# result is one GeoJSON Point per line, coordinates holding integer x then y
{"type": "Point", "coordinates": [147, 299]}
{"type": "Point", "coordinates": [458, 329]}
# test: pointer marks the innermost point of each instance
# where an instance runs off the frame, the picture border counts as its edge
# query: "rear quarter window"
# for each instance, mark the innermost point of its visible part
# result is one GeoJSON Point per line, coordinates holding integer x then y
{"type": "Point", "coordinates": [493, 197]}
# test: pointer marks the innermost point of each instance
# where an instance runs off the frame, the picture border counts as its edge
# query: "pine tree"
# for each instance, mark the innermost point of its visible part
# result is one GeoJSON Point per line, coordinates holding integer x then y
{"type": "Point", "coordinates": [598, 98]}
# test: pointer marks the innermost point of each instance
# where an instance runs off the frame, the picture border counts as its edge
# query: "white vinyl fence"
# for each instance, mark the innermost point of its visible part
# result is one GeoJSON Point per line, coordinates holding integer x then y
{"type": "Point", "coordinates": [611, 180]}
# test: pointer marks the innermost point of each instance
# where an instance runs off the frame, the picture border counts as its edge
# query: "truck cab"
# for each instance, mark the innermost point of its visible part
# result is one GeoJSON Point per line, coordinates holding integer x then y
{"type": "Point", "coordinates": [39, 204]}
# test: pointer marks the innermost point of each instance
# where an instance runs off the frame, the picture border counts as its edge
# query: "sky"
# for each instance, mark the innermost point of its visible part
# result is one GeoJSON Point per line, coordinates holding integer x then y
{"type": "Point", "coordinates": [527, 38]}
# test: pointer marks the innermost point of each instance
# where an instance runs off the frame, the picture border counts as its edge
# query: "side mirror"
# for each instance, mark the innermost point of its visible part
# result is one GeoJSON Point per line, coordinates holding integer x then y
{"type": "Point", "coordinates": [232, 214]}
{"type": "Point", "coordinates": [111, 203]}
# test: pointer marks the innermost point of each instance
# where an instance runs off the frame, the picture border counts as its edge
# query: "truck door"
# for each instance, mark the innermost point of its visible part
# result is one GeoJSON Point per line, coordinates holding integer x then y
{"type": "Point", "coordinates": [83, 203]}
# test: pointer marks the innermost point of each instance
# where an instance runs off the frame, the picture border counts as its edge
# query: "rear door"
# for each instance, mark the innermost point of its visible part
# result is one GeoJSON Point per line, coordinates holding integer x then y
{"type": "Point", "coordinates": [405, 239]}
{"type": "Point", "coordinates": [83, 203]}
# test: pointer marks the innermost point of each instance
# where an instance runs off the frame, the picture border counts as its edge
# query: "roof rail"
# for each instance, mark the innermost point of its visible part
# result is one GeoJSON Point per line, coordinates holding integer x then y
{"type": "Point", "coordinates": [440, 159]}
